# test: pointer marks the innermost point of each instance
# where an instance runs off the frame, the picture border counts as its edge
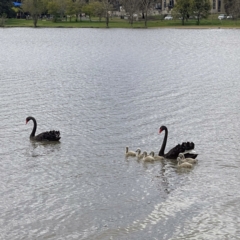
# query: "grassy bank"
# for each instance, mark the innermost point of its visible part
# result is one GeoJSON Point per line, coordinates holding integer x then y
{"type": "Point", "coordinates": [211, 22]}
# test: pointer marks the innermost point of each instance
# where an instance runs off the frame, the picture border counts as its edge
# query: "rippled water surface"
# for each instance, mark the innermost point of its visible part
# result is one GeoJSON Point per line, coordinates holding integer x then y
{"type": "Point", "coordinates": [106, 89]}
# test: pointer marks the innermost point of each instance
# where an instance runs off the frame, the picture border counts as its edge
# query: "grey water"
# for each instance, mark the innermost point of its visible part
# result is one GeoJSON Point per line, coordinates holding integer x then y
{"type": "Point", "coordinates": [106, 89]}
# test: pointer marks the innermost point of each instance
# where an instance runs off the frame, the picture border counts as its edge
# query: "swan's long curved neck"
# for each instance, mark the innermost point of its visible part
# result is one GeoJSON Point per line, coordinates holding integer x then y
{"type": "Point", "coordinates": [34, 127]}
{"type": "Point", "coordinates": [161, 152]}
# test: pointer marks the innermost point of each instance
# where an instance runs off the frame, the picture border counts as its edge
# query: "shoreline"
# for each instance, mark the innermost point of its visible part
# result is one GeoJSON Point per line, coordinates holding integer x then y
{"type": "Point", "coordinates": [169, 27]}
{"type": "Point", "coordinates": [117, 23]}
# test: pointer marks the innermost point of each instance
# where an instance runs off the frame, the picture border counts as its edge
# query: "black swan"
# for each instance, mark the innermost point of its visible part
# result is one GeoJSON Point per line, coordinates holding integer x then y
{"type": "Point", "coordinates": [45, 136]}
{"type": "Point", "coordinates": [185, 148]}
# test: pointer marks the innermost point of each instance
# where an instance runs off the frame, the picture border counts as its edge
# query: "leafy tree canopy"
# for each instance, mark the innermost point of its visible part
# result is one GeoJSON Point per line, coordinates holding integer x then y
{"type": "Point", "coordinates": [6, 7]}
{"type": "Point", "coordinates": [184, 9]}
{"type": "Point", "coordinates": [201, 9]}
{"type": "Point", "coordinates": [232, 7]}
{"type": "Point", "coordinates": [34, 7]}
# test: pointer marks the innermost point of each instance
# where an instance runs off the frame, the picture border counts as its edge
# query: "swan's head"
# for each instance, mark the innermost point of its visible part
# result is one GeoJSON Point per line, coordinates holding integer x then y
{"type": "Point", "coordinates": [138, 151]}
{"type": "Point", "coordinates": [181, 155]}
{"type": "Point", "coordinates": [151, 153]}
{"type": "Point", "coordinates": [162, 128]}
{"type": "Point", "coordinates": [144, 153]}
{"type": "Point", "coordinates": [28, 119]}
{"type": "Point", "coordinates": [179, 159]}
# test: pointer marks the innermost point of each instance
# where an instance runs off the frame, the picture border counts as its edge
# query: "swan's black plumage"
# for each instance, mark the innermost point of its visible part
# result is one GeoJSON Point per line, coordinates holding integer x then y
{"type": "Point", "coordinates": [180, 148]}
{"type": "Point", "coordinates": [44, 136]}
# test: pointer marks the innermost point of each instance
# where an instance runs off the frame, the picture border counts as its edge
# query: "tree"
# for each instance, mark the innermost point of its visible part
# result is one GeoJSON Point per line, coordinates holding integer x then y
{"type": "Point", "coordinates": [70, 8]}
{"type": "Point", "coordinates": [57, 8]}
{"type": "Point", "coordinates": [236, 10]}
{"type": "Point", "coordinates": [145, 5]}
{"type": "Point", "coordinates": [2, 19]}
{"type": "Point", "coordinates": [201, 8]}
{"type": "Point", "coordinates": [88, 9]}
{"type": "Point", "coordinates": [232, 7]}
{"type": "Point", "coordinates": [62, 7]}
{"type": "Point", "coordinates": [98, 10]}
{"type": "Point", "coordinates": [228, 4]}
{"type": "Point", "coordinates": [108, 7]}
{"type": "Point", "coordinates": [131, 7]}
{"type": "Point", "coordinates": [183, 8]}
{"type": "Point", "coordinates": [53, 9]}
{"type": "Point", "coordinates": [34, 7]}
{"type": "Point", "coordinates": [6, 8]}
{"type": "Point", "coordinates": [78, 6]}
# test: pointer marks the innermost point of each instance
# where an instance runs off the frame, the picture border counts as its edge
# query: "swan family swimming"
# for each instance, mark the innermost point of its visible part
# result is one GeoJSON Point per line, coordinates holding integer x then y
{"type": "Point", "coordinates": [185, 149]}
{"type": "Point", "coordinates": [184, 153]}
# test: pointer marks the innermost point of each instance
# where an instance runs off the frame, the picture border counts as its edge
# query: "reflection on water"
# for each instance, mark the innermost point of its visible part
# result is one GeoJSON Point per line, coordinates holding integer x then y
{"type": "Point", "coordinates": [105, 90]}
{"type": "Point", "coordinates": [40, 148]}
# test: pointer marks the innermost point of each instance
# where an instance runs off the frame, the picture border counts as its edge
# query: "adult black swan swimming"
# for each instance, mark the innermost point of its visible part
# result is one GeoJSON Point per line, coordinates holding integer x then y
{"type": "Point", "coordinates": [186, 148]}
{"type": "Point", "coordinates": [45, 136]}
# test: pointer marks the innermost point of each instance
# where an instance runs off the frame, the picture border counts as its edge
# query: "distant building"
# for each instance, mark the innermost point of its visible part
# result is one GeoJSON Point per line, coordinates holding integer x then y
{"type": "Point", "coordinates": [165, 6]}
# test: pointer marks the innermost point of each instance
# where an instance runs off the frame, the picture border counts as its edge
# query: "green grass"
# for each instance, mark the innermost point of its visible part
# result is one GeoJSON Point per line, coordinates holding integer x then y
{"type": "Point", "coordinates": [212, 21]}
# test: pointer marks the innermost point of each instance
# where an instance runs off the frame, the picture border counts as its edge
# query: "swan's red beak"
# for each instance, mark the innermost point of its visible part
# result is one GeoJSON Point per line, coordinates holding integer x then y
{"type": "Point", "coordinates": [26, 121]}
{"type": "Point", "coordinates": [160, 130]}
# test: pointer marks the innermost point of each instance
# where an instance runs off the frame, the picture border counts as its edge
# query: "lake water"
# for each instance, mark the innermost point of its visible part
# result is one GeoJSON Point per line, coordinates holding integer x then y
{"type": "Point", "coordinates": [106, 89]}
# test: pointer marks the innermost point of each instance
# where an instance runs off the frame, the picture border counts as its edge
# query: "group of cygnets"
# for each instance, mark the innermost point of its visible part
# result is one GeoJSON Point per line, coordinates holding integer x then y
{"type": "Point", "coordinates": [182, 161]}
{"type": "Point", "coordinates": [143, 155]}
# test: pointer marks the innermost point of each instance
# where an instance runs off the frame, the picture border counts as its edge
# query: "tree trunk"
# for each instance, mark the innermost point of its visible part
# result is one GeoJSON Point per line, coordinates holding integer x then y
{"type": "Point", "coordinates": [198, 19]}
{"type": "Point", "coordinates": [107, 20]}
{"type": "Point", "coordinates": [145, 20]}
{"type": "Point", "coordinates": [2, 22]}
{"type": "Point", "coordinates": [132, 20]}
{"type": "Point", "coordinates": [35, 19]}
{"type": "Point", "coordinates": [54, 19]}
